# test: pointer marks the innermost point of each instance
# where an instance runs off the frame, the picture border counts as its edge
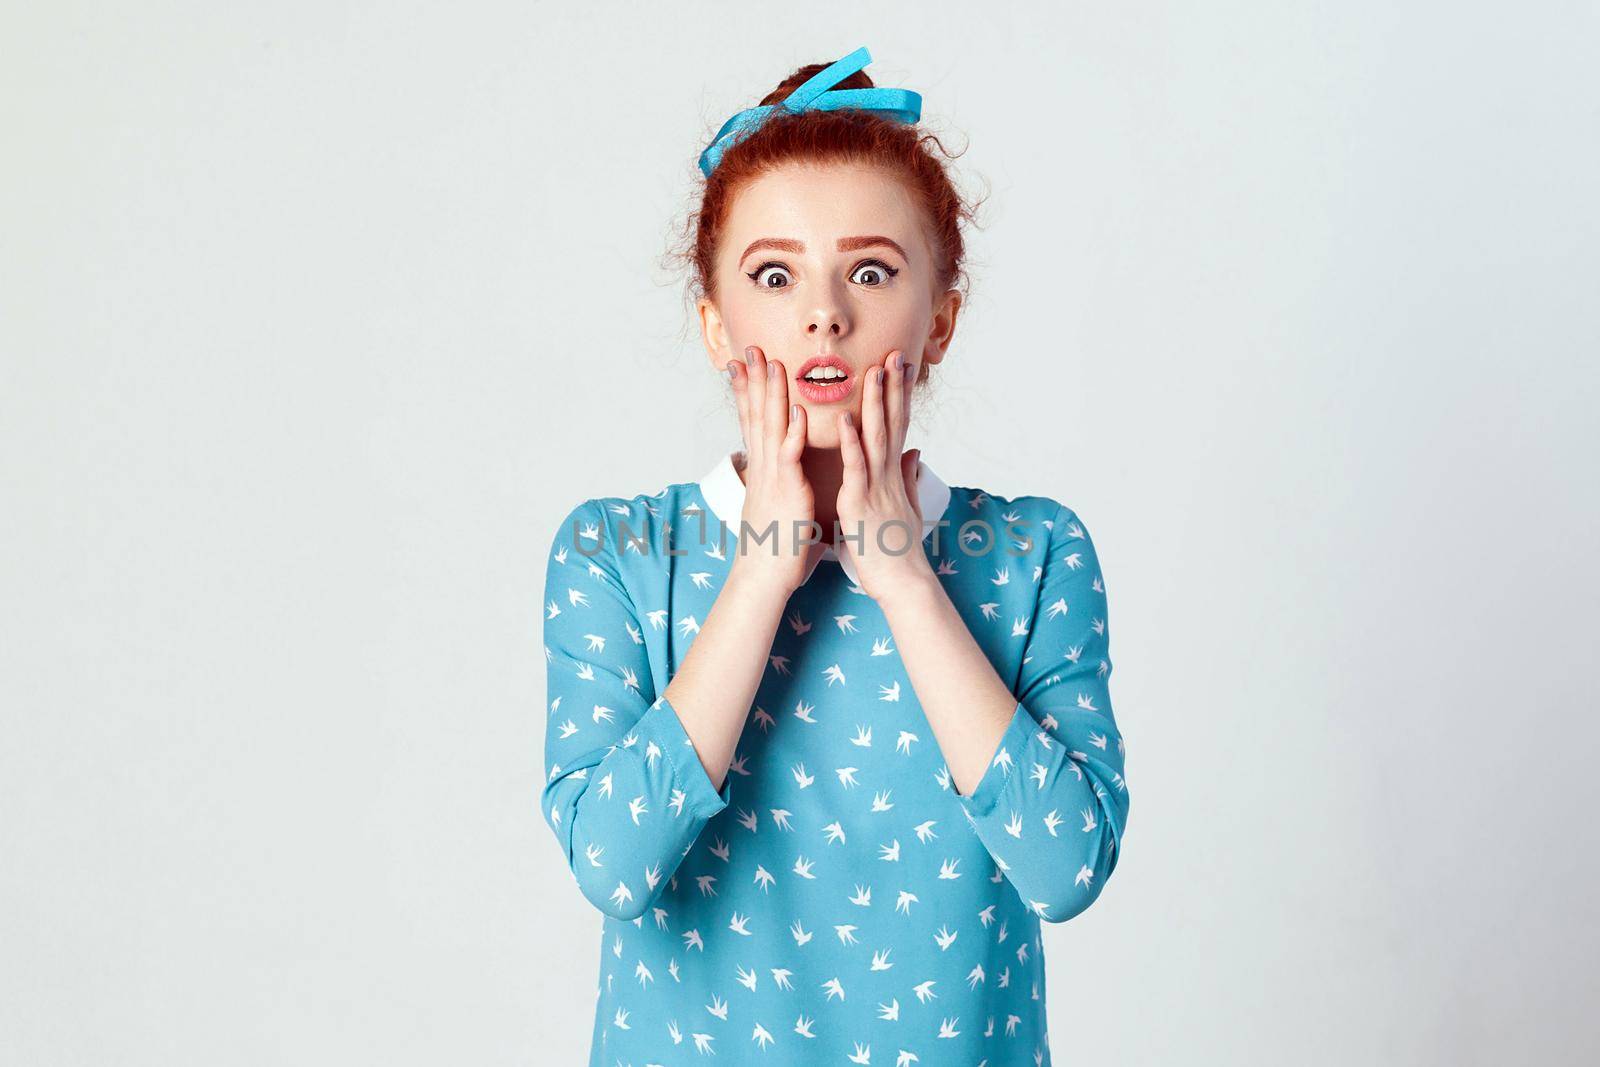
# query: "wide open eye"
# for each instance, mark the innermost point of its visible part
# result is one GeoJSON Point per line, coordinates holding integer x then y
{"type": "Point", "coordinates": [873, 273]}
{"type": "Point", "coordinates": [770, 276]}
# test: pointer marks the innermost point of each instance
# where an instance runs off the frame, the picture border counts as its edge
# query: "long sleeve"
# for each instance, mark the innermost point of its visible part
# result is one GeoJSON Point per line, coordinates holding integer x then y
{"type": "Point", "coordinates": [625, 793]}
{"type": "Point", "coordinates": [1052, 805]}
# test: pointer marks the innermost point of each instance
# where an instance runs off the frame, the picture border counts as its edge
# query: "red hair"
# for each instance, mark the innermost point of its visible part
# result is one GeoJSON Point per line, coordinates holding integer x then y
{"type": "Point", "coordinates": [842, 136]}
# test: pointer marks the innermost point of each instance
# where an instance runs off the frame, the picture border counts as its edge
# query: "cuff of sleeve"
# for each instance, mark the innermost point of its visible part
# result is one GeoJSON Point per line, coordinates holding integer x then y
{"type": "Point", "coordinates": [1014, 742]}
{"type": "Point", "coordinates": [661, 724]}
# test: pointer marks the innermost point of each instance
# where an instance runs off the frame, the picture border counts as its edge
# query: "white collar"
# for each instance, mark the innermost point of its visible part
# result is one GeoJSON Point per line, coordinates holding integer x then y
{"type": "Point", "coordinates": [724, 493]}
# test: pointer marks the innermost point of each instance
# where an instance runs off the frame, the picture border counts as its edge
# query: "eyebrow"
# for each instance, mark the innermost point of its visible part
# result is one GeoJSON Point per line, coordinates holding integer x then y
{"type": "Point", "coordinates": [845, 244]}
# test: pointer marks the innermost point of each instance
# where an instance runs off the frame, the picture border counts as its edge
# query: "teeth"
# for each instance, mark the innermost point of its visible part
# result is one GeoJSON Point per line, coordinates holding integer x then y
{"type": "Point", "coordinates": [825, 374]}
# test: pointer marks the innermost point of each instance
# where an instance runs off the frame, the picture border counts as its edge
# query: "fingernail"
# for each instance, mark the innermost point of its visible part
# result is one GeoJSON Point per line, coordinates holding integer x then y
{"type": "Point", "coordinates": [750, 355]}
{"type": "Point", "coordinates": [849, 420]}
{"type": "Point", "coordinates": [910, 369]}
{"type": "Point", "coordinates": [877, 375]}
{"type": "Point", "coordinates": [729, 371]}
{"type": "Point", "coordinates": [794, 412]}
{"type": "Point", "coordinates": [896, 361]}
{"type": "Point", "coordinates": [772, 372]}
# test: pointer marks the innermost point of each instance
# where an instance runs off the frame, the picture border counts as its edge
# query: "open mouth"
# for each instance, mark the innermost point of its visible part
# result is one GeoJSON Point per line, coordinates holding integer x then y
{"type": "Point", "coordinates": [825, 379]}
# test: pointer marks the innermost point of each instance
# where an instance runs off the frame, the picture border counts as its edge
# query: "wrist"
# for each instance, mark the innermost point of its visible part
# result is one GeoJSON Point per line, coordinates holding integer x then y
{"type": "Point", "coordinates": [912, 591]}
{"type": "Point", "coordinates": [757, 583]}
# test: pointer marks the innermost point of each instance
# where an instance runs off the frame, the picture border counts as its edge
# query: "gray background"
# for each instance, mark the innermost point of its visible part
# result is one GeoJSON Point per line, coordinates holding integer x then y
{"type": "Point", "coordinates": [315, 320]}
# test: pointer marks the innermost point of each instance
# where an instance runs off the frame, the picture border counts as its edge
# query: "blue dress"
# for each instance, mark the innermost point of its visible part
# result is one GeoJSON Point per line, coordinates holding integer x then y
{"type": "Point", "coordinates": [837, 900]}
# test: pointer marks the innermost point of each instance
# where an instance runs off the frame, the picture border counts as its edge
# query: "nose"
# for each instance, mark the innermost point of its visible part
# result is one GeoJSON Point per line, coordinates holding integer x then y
{"type": "Point", "coordinates": [826, 319]}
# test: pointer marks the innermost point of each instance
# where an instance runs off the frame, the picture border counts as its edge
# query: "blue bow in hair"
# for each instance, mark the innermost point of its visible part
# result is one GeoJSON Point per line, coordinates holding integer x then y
{"type": "Point", "coordinates": [818, 94]}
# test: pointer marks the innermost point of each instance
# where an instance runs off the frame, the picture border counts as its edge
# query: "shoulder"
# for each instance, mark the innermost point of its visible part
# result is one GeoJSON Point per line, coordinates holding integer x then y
{"type": "Point", "coordinates": [608, 522]}
{"type": "Point", "coordinates": [1035, 517]}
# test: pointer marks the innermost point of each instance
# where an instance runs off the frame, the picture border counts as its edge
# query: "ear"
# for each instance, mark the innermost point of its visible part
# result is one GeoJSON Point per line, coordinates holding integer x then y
{"type": "Point", "coordinates": [944, 327]}
{"type": "Point", "coordinates": [714, 332]}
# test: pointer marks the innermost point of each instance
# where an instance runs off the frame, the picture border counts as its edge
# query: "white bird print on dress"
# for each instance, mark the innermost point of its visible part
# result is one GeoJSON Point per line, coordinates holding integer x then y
{"type": "Point", "coordinates": [1047, 640]}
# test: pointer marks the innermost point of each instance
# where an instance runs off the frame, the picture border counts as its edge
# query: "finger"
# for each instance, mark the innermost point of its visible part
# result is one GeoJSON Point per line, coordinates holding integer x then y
{"type": "Point", "coordinates": [854, 481]}
{"type": "Point", "coordinates": [755, 363]}
{"type": "Point", "coordinates": [894, 397]}
{"type": "Point", "coordinates": [910, 468]}
{"type": "Point", "coordinates": [741, 380]}
{"type": "Point", "coordinates": [874, 435]}
{"type": "Point", "coordinates": [794, 443]}
{"type": "Point", "coordinates": [910, 387]}
{"type": "Point", "coordinates": [777, 415]}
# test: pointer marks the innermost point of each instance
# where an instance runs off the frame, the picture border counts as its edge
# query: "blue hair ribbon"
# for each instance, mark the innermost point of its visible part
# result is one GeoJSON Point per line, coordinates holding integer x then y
{"type": "Point", "coordinates": [818, 94]}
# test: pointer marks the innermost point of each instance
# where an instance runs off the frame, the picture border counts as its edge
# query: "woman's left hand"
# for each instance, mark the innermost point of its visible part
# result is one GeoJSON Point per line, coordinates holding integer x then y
{"type": "Point", "coordinates": [877, 498]}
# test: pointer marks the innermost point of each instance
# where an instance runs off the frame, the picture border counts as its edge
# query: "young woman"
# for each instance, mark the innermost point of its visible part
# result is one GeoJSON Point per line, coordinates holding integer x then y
{"type": "Point", "coordinates": [825, 781]}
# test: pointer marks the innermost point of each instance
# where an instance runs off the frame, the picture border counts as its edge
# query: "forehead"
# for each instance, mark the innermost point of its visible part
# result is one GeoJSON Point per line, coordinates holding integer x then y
{"type": "Point", "coordinates": [816, 204]}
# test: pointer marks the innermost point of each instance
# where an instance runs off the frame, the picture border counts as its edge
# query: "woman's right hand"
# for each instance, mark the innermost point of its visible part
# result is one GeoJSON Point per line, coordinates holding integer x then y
{"type": "Point", "coordinates": [777, 496]}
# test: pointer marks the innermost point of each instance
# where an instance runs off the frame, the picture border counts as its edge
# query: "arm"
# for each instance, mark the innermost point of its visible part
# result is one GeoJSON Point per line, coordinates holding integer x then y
{"type": "Point", "coordinates": [1039, 772]}
{"type": "Point", "coordinates": [626, 793]}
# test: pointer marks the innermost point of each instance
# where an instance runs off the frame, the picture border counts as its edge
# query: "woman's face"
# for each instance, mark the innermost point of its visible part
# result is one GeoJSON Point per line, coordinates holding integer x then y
{"type": "Point", "coordinates": [827, 261]}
